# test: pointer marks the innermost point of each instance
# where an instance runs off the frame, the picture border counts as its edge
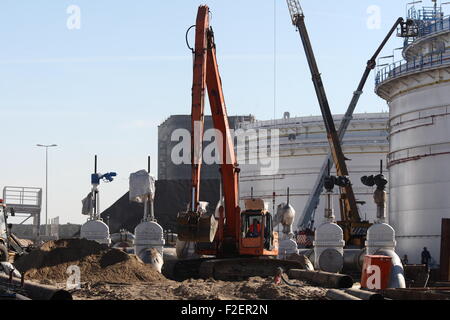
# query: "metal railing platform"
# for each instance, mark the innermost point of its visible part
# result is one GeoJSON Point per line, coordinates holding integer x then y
{"type": "Point", "coordinates": [27, 204]}
{"type": "Point", "coordinates": [403, 67]}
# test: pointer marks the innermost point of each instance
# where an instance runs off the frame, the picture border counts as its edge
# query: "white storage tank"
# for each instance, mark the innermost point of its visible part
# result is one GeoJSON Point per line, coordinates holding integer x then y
{"type": "Point", "coordinates": [418, 93]}
{"type": "Point", "coordinates": [303, 149]}
{"type": "Point", "coordinates": [95, 230]}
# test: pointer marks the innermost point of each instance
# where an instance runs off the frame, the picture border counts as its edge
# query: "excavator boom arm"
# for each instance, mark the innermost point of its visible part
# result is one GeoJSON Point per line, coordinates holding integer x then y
{"type": "Point", "coordinates": [207, 78]}
{"type": "Point", "coordinates": [198, 102]}
{"type": "Point", "coordinates": [228, 164]}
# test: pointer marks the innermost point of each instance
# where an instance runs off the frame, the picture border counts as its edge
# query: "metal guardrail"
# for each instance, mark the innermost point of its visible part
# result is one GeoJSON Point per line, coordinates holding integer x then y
{"type": "Point", "coordinates": [435, 27]}
{"type": "Point", "coordinates": [425, 28]}
{"type": "Point", "coordinates": [420, 63]}
{"type": "Point", "coordinates": [22, 196]}
{"type": "Point", "coordinates": [426, 13]}
{"type": "Point", "coordinates": [428, 26]}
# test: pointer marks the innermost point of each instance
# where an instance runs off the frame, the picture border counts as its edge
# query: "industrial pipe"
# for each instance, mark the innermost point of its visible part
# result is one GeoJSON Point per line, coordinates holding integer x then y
{"type": "Point", "coordinates": [309, 253]}
{"type": "Point", "coordinates": [325, 279]}
{"type": "Point", "coordinates": [334, 294]}
{"type": "Point", "coordinates": [397, 279]}
{"type": "Point", "coordinates": [121, 237]}
{"type": "Point", "coordinates": [305, 262]}
{"type": "Point", "coordinates": [353, 260]}
{"type": "Point", "coordinates": [11, 295]}
{"type": "Point", "coordinates": [21, 297]}
{"type": "Point", "coordinates": [364, 294]}
{"type": "Point", "coordinates": [37, 291]}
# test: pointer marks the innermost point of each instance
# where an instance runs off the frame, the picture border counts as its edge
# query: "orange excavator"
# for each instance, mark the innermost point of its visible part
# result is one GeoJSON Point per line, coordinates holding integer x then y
{"type": "Point", "coordinates": [231, 239]}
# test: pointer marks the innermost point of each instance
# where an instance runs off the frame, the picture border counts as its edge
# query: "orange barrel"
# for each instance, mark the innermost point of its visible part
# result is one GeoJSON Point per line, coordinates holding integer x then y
{"type": "Point", "coordinates": [376, 272]}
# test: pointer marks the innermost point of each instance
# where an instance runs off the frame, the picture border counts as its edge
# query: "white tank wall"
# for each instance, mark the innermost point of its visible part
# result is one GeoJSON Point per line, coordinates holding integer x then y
{"type": "Point", "coordinates": [301, 184]}
{"type": "Point", "coordinates": [420, 188]}
{"type": "Point", "coordinates": [366, 144]}
{"type": "Point", "coordinates": [419, 158]}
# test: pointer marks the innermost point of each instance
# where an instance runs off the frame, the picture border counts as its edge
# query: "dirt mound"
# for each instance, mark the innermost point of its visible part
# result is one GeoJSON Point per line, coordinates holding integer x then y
{"type": "Point", "coordinates": [97, 263]}
{"type": "Point", "coordinates": [255, 288]}
{"type": "Point", "coordinates": [262, 290]}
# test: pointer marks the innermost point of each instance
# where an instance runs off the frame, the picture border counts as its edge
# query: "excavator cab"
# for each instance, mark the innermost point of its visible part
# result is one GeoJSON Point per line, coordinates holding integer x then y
{"type": "Point", "coordinates": [257, 236]}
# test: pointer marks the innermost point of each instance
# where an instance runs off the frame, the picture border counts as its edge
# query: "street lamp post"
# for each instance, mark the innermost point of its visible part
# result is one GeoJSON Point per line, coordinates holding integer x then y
{"type": "Point", "coordinates": [46, 182]}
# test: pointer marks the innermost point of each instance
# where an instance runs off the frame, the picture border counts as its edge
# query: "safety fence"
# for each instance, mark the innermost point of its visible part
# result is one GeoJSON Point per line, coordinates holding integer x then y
{"type": "Point", "coordinates": [419, 63]}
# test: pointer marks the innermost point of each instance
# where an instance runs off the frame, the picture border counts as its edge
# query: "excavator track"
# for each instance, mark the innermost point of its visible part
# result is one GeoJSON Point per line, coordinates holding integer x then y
{"type": "Point", "coordinates": [231, 269]}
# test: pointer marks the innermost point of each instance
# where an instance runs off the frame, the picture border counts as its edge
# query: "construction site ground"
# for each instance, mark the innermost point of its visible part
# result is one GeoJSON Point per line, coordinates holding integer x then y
{"type": "Point", "coordinates": [252, 289]}
{"type": "Point", "coordinates": [111, 274]}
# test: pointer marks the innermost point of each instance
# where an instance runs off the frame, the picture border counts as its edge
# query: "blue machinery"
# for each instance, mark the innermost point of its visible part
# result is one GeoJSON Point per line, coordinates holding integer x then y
{"type": "Point", "coordinates": [96, 178]}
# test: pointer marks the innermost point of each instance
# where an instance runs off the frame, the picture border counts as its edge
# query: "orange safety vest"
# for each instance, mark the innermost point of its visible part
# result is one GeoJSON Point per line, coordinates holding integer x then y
{"type": "Point", "coordinates": [252, 228]}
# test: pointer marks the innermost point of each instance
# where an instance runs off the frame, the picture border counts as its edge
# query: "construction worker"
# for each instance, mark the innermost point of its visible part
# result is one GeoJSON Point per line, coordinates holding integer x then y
{"type": "Point", "coordinates": [405, 260]}
{"type": "Point", "coordinates": [254, 230]}
{"type": "Point", "coordinates": [278, 275]}
{"type": "Point", "coordinates": [426, 256]}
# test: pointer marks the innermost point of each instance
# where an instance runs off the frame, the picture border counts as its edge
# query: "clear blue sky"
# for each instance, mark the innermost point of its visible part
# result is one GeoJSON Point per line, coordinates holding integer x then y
{"type": "Point", "coordinates": [104, 89]}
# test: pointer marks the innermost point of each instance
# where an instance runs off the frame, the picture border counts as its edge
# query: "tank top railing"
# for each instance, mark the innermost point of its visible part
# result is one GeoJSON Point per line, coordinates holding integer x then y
{"type": "Point", "coordinates": [419, 63]}
{"type": "Point", "coordinates": [435, 27]}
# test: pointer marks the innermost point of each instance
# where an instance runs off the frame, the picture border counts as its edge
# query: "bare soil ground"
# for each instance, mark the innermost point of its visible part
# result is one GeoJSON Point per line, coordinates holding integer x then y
{"type": "Point", "coordinates": [111, 274]}
{"type": "Point", "coordinates": [252, 289]}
